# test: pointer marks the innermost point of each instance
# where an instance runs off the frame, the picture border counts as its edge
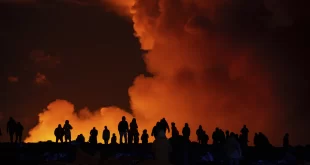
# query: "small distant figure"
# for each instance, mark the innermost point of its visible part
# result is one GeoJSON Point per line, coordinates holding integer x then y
{"type": "Point", "coordinates": [19, 132]}
{"type": "Point", "coordinates": [244, 134]}
{"type": "Point", "coordinates": [80, 138]}
{"type": "Point", "coordinates": [222, 137]}
{"type": "Point", "coordinates": [205, 138]}
{"type": "Point", "coordinates": [133, 134]}
{"type": "Point", "coordinates": [215, 136]}
{"type": "Point", "coordinates": [93, 136]}
{"type": "Point", "coordinates": [174, 130]}
{"type": "Point", "coordinates": [200, 134]}
{"type": "Point", "coordinates": [106, 135]}
{"type": "Point", "coordinates": [113, 139]}
{"type": "Point", "coordinates": [67, 130]}
{"type": "Point", "coordinates": [11, 125]}
{"type": "Point", "coordinates": [123, 130]}
{"type": "Point", "coordinates": [286, 141]}
{"type": "Point", "coordinates": [164, 126]}
{"type": "Point", "coordinates": [59, 133]}
{"type": "Point", "coordinates": [145, 137]}
{"type": "Point", "coordinates": [186, 131]}
{"type": "Point", "coordinates": [155, 130]}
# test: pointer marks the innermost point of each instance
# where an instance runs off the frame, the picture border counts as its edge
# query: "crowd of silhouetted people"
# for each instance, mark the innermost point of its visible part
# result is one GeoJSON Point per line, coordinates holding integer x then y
{"type": "Point", "coordinates": [233, 143]}
{"type": "Point", "coordinates": [129, 134]}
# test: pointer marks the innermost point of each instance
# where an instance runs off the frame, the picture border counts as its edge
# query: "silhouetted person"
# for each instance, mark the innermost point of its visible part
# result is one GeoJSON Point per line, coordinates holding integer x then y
{"type": "Point", "coordinates": [59, 133]}
{"type": "Point", "coordinates": [145, 137]}
{"type": "Point", "coordinates": [215, 136]}
{"type": "Point", "coordinates": [93, 136]}
{"type": "Point", "coordinates": [222, 138]}
{"type": "Point", "coordinates": [200, 134]}
{"type": "Point", "coordinates": [244, 133]}
{"type": "Point", "coordinates": [67, 130]}
{"type": "Point", "coordinates": [106, 135]}
{"type": "Point", "coordinates": [19, 132]}
{"type": "Point", "coordinates": [233, 150]}
{"type": "Point", "coordinates": [164, 126]}
{"type": "Point", "coordinates": [133, 134]}
{"type": "Point", "coordinates": [186, 131]}
{"type": "Point", "coordinates": [80, 138]}
{"type": "Point", "coordinates": [286, 141]}
{"type": "Point", "coordinates": [155, 130]}
{"type": "Point", "coordinates": [113, 139]}
{"type": "Point", "coordinates": [0, 132]}
{"type": "Point", "coordinates": [123, 130]}
{"type": "Point", "coordinates": [204, 138]}
{"type": "Point", "coordinates": [174, 130]}
{"type": "Point", "coordinates": [227, 134]}
{"type": "Point", "coordinates": [11, 126]}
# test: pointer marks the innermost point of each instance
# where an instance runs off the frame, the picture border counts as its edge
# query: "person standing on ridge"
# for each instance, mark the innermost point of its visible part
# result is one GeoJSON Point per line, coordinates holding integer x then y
{"type": "Point", "coordinates": [245, 132]}
{"type": "Point", "coordinates": [174, 130]}
{"type": "Point", "coordinates": [93, 136]}
{"type": "Point", "coordinates": [19, 132]}
{"type": "Point", "coordinates": [67, 129]}
{"type": "Point", "coordinates": [164, 125]}
{"type": "Point", "coordinates": [155, 130]}
{"type": "Point", "coordinates": [199, 134]}
{"type": "Point", "coordinates": [186, 131]}
{"type": "Point", "coordinates": [106, 135]}
{"type": "Point", "coordinates": [113, 139]}
{"type": "Point", "coordinates": [59, 133]}
{"type": "Point", "coordinates": [11, 128]}
{"type": "Point", "coordinates": [134, 131]}
{"type": "Point", "coordinates": [123, 130]}
{"type": "Point", "coordinates": [286, 142]}
{"type": "Point", "coordinates": [145, 137]}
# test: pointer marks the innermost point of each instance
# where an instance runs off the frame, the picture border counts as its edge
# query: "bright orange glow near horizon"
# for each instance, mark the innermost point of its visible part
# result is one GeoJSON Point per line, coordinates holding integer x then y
{"type": "Point", "coordinates": [82, 121]}
{"type": "Point", "coordinates": [200, 76]}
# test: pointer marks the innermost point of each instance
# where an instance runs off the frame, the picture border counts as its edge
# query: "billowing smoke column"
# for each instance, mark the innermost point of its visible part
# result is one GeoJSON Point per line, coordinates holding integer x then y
{"type": "Point", "coordinates": [203, 72]}
{"type": "Point", "coordinates": [82, 121]}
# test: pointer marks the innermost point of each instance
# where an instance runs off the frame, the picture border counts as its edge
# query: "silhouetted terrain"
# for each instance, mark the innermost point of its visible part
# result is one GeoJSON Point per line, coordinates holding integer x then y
{"type": "Point", "coordinates": [37, 153]}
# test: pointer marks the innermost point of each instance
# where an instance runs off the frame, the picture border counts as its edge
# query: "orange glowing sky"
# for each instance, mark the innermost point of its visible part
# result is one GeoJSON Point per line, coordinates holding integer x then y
{"type": "Point", "coordinates": [200, 77]}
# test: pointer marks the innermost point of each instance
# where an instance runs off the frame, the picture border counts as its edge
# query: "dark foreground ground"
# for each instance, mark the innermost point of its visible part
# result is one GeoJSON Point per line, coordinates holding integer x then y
{"type": "Point", "coordinates": [36, 153]}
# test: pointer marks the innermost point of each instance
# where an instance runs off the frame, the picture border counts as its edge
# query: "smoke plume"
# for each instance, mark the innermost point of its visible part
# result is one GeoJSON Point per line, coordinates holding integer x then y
{"type": "Point", "coordinates": [82, 121]}
{"type": "Point", "coordinates": [206, 67]}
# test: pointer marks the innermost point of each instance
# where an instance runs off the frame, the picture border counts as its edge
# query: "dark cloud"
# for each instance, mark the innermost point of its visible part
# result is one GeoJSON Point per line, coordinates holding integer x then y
{"type": "Point", "coordinates": [40, 58]}
{"type": "Point", "coordinates": [13, 79]}
{"type": "Point", "coordinates": [41, 79]}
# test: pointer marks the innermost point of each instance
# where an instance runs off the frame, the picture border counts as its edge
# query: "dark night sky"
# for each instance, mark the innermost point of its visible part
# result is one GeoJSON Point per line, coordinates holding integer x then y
{"type": "Point", "coordinates": [99, 57]}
